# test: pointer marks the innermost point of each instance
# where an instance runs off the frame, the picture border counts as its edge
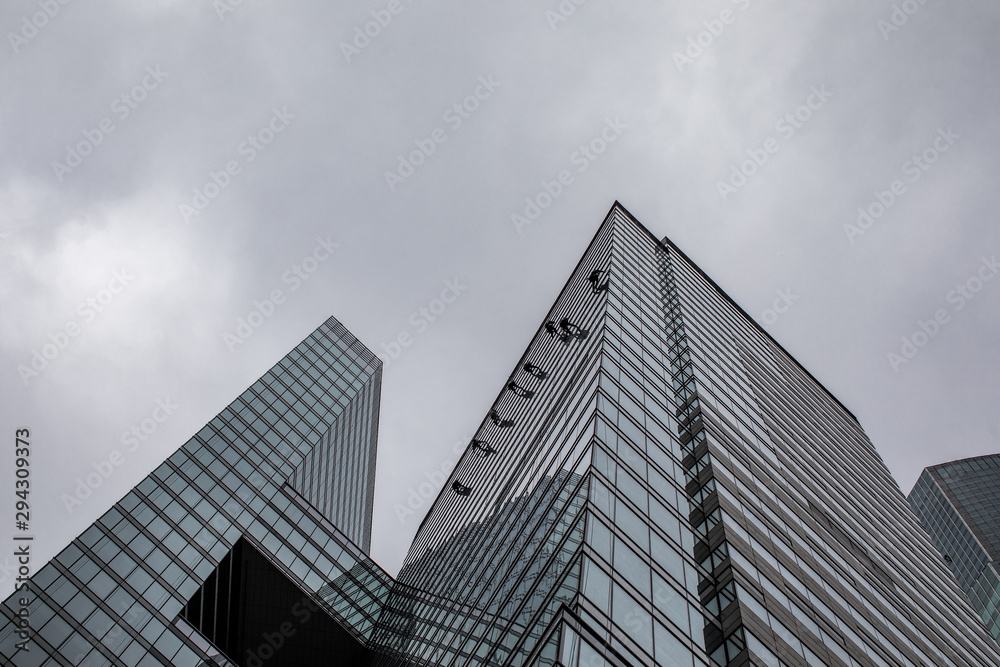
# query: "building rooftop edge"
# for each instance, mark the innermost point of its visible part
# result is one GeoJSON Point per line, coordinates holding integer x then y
{"type": "Point", "coordinates": [945, 464]}
{"type": "Point", "coordinates": [667, 243]}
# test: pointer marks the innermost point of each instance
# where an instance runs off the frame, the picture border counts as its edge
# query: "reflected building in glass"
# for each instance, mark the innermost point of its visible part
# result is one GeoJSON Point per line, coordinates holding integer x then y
{"type": "Point", "coordinates": [959, 505]}
{"type": "Point", "coordinates": [657, 483]}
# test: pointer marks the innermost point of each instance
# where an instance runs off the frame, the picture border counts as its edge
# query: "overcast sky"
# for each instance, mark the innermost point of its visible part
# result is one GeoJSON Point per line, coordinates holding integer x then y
{"type": "Point", "coordinates": [174, 162]}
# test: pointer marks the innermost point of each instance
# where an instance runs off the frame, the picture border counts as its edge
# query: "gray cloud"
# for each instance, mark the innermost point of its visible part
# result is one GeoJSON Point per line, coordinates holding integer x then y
{"type": "Point", "coordinates": [324, 176]}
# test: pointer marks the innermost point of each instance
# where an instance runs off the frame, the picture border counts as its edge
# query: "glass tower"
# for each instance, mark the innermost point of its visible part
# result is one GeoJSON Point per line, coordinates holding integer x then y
{"type": "Point", "coordinates": [660, 483]}
{"type": "Point", "coordinates": [959, 506]}
{"type": "Point", "coordinates": [657, 483]}
{"type": "Point", "coordinates": [232, 547]}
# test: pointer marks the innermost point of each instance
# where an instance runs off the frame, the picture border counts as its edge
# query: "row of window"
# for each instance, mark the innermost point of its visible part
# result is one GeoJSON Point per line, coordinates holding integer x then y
{"type": "Point", "coordinates": [144, 575]}
{"type": "Point", "coordinates": [890, 504]}
{"type": "Point", "coordinates": [816, 468]}
{"type": "Point", "coordinates": [820, 583]}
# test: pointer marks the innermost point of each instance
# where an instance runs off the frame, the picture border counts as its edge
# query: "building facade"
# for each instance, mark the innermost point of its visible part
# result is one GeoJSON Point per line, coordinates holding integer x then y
{"type": "Point", "coordinates": [230, 548]}
{"type": "Point", "coordinates": [658, 483]}
{"type": "Point", "coordinates": [958, 504]}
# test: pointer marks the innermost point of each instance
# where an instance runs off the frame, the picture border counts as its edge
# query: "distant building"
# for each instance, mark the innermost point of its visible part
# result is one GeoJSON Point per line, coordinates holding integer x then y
{"type": "Point", "coordinates": [959, 505]}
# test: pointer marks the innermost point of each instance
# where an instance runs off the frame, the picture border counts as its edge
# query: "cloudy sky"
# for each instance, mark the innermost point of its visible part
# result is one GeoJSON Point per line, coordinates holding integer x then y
{"type": "Point", "coordinates": [166, 166]}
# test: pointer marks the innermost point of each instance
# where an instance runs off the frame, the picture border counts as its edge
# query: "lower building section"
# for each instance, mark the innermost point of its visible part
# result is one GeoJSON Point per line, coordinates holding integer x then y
{"type": "Point", "coordinates": [254, 614]}
{"type": "Point", "coordinates": [571, 642]}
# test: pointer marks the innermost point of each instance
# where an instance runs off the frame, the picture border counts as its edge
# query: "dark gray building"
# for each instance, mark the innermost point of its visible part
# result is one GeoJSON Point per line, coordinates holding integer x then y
{"type": "Point", "coordinates": [959, 505]}
{"type": "Point", "coordinates": [658, 482]}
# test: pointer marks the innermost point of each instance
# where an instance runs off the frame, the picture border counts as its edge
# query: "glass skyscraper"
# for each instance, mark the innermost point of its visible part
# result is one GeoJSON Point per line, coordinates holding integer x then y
{"type": "Point", "coordinates": [657, 483]}
{"type": "Point", "coordinates": [242, 544]}
{"type": "Point", "coordinates": [660, 483]}
{"type": "Point", "coordinates": [959, 506]}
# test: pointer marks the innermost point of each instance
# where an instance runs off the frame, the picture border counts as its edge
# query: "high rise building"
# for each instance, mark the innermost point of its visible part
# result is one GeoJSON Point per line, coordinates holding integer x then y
{"type": "Point", "coordinates": [242, 544]}
{"type": "Point", "coordinates": [958, 504]}
{"type": "Point", "coordinates": [658, 482]}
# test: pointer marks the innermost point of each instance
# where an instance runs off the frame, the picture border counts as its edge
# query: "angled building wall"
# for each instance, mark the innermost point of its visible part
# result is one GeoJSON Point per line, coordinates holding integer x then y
{"type": "Point", "coordinates": [797, 515]}
{"type": "Point", "coordinates": [337, 476]}
{"type": "Point", "coordinates": [735, 512]}
{"type": "Point", "coordinates": [116, 594]}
